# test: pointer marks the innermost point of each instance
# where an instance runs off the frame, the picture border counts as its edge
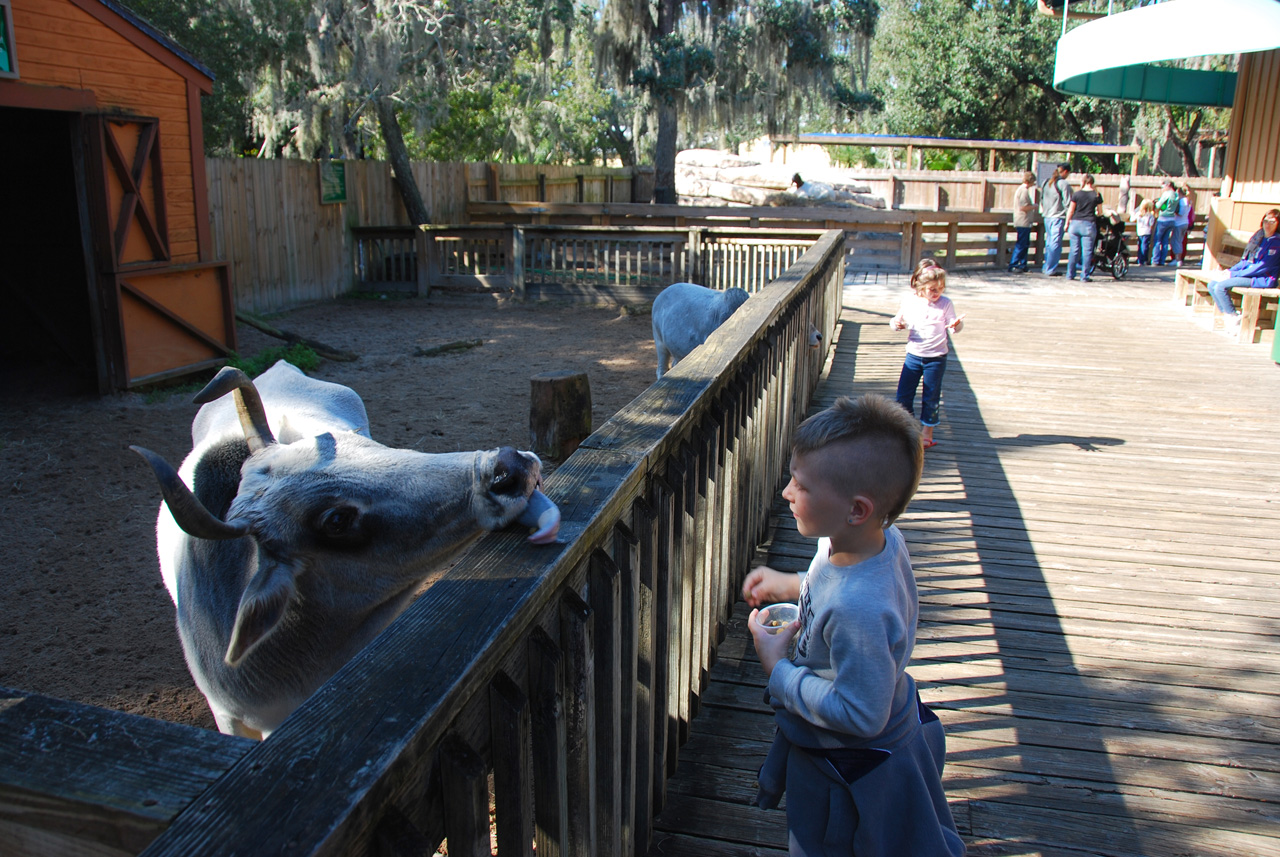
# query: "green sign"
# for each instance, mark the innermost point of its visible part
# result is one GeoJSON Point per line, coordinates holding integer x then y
{"type": "Point", "coordinates": [333, 181]}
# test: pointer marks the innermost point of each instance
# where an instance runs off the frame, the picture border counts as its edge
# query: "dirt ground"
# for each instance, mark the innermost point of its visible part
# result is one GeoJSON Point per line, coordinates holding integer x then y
{"type": "Point", "coordinates": [83, 613]}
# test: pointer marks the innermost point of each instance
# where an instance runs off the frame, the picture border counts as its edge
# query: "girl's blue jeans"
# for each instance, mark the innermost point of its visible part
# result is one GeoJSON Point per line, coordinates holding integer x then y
{"type": "Point", "coordinates": [1144, 249]}
{"type": "Point", "coordinates": [1164, 240]}
{"type": "Point", "coordinates": [930, 369]}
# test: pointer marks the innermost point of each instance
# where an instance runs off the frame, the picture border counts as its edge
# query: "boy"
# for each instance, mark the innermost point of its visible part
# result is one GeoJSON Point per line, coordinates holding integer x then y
{"type": "Point", "coordinates": [858, 755]}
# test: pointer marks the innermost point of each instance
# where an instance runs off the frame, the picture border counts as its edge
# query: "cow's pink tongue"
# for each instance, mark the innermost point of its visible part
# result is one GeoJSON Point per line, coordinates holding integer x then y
{"type": "Point", "coordinates": [542, 516]}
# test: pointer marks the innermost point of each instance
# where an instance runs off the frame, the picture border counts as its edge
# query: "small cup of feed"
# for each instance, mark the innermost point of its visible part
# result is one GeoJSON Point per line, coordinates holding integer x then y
{"type": "Point", "coordinates": [775, 617]}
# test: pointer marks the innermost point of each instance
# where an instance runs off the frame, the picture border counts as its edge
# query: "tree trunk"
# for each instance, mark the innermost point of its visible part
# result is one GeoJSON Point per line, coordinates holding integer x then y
{"type": "Point", "coordinates": [401, 170]}
{"type": "Point", "coordinates": [1185, 140]}
{"type": "Point", "coordinates": [664, 156]}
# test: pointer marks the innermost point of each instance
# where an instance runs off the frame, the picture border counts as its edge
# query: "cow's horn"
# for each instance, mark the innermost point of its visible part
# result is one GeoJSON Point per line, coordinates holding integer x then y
{"type": "Point", "coordinates": [253, 417]}
{"type": "Point", "coordinates": [188, 511]}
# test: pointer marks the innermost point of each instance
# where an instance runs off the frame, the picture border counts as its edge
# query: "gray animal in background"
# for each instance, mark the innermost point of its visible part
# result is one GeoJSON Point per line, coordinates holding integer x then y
{"type": "Point", "coordinates": [293, 549]}
{"type": "Point", "coordinates": [684, 315]}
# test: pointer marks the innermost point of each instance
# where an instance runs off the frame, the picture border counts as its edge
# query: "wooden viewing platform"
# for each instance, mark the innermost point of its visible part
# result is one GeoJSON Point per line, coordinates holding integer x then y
{"type": "Point", "coordinates": [1095, 544]}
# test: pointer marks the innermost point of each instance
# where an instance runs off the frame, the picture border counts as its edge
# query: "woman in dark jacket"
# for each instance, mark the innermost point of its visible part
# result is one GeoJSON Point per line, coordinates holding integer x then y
{"type": "Point", "coordinates": [1257, 272]}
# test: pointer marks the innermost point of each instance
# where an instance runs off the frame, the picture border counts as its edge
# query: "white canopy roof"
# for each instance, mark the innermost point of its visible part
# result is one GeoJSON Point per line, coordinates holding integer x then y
{"type": "Point", "coordinates": [1113, 57]}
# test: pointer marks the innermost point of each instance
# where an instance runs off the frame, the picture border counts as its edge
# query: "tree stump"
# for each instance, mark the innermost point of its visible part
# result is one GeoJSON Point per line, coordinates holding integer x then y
{"type": "Point", "coordinates": [559, 413]}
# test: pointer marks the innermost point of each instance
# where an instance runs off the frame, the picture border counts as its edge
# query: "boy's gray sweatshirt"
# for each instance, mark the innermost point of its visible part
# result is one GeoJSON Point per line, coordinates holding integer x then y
{"type": "Point", "coordinates": [846, 684]}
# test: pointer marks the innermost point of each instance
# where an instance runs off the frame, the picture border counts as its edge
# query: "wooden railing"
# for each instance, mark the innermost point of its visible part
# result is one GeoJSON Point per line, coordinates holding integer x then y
{"type": "Point", "coordinates": [877, 240]}
{"type": "Point", "coordinates": [620, 264]}
{"type": "Point", "coordinates": [567, 675]}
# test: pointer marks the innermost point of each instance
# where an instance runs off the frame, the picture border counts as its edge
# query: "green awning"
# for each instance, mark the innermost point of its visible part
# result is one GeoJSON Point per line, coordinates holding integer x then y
{"type": "Point", "coordinates": [1117, 56]}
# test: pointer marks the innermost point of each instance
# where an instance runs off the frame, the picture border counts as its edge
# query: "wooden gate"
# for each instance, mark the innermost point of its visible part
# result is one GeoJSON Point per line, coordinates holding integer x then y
{"type": "Point", "coordinates": [160, 319]}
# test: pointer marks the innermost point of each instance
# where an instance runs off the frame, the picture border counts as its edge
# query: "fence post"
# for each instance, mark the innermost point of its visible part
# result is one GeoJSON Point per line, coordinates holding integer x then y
{"type": "Point", "coordinates": [495, 190]}
{"type": "Point", "coordinates": [515, 256]}
{"type": "Point", "coordinates": [693, 256]}
{"type": "Point", "coordinates": [953, 232]}
{"type": "Point", "coordinates": [424, 245]}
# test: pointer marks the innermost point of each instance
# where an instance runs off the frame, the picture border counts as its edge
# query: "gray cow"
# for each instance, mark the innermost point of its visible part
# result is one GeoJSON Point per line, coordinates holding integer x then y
{"type": "Point", "coordinates": [293, 549]}
{"type": "Point", "coordinates": [684, 315]}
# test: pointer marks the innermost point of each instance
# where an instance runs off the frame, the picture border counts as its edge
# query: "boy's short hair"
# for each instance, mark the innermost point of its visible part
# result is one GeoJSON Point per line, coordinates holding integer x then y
{"type": "Point", "coordinates": [881, 453]}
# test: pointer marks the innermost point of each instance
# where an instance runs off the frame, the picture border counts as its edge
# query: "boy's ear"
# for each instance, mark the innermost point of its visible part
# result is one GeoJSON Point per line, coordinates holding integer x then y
{"type": "Point", "coordinates": [861, 508]}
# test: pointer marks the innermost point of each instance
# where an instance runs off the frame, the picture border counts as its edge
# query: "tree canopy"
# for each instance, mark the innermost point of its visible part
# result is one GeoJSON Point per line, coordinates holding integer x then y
{"type": "Point", "coordinates": [632, 80]}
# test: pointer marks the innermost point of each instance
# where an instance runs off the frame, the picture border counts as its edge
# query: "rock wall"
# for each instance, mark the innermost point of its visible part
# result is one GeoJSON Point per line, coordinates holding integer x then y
{"type": "Point", "coordinates": [712, 177]}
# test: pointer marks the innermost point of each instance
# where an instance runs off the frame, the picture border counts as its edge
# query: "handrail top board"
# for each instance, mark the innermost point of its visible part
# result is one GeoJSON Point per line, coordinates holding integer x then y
{"type": "Point", "coordinates": [800, 232]}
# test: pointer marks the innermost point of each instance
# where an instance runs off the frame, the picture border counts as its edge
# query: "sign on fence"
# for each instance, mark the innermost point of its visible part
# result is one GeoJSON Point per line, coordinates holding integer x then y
{"type": "Point", "coordinates": [333, 181]}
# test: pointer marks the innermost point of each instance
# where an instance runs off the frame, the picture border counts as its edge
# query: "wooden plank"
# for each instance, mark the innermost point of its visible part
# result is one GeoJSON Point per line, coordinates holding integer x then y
{"type": "Point", "coordinates": [512, 776]}
{"type": "Point", "coordinates": [546, 682]}
{"type": "Point", "coordinates": [577, 643]}
{"type": "Point", "coordinates": [72, 776]}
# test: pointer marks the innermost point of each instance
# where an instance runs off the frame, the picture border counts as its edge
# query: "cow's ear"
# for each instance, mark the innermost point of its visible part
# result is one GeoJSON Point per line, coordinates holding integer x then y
{"type": "Point", "coordinates": [262, 607]}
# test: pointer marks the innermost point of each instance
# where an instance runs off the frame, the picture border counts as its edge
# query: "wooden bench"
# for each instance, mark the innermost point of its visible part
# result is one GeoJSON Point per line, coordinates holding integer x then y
{"type": "Point", "coordinates": [1257, 313]}
{"type": "Point", "coordinates": [1191, 285]}
{"type": "Point", "coordinates": [1191, 288]}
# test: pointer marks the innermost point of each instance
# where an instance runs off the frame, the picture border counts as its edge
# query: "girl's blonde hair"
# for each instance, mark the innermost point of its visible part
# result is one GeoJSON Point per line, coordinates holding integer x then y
{"type": "Point", "coordinates": [927, 270]}
{"type": "Point", "coordinates": [1147, 206]}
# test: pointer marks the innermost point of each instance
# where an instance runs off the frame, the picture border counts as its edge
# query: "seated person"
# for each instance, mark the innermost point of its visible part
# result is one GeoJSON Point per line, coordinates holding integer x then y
{"type": "Point", "coordinates": [811, 190]}
{"type": "Point", "coordinates": [1256, 271]}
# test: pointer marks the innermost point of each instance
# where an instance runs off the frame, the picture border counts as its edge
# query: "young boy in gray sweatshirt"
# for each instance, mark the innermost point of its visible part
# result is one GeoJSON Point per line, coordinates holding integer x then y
{"type": "Point", "coordinates": [859, 756]}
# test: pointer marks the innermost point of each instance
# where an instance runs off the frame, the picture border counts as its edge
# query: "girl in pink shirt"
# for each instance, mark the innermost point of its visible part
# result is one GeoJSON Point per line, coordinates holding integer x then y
{"type": "Point", "coordinates": [928, 316]}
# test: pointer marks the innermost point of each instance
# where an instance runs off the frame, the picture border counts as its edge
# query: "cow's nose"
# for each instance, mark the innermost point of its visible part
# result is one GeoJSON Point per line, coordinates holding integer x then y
{"type": "Point", "coordinates": [510, 472]}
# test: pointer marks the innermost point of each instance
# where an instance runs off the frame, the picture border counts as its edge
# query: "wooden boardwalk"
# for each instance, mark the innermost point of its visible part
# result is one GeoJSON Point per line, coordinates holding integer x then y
{"type": "Point", "coordinates": [1095, 541]}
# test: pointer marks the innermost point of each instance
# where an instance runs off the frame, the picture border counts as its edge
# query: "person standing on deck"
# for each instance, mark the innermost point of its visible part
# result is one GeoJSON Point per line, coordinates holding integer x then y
{"type": "Point", "coordinates": [1054, 197]}
{"type": "Point", "coordinates": [1166, 222]}
{"type": "Point", "coordinates": [1024, 208]}
{"type": "Point", "coordinates": [857, 753]}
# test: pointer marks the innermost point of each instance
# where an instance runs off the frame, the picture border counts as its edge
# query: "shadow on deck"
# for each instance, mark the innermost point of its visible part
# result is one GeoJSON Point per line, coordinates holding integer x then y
{"type": "Point", "coordinates": [1098, 627]}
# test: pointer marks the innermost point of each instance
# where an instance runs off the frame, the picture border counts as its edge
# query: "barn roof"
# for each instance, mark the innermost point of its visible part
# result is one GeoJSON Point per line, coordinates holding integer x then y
{"type": "Point", "coordinates": [151, 32]}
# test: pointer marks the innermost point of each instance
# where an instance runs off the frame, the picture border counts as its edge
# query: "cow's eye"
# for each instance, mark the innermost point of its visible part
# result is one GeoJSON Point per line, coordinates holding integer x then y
{"type": "Point", "coordinates": [340, 524]}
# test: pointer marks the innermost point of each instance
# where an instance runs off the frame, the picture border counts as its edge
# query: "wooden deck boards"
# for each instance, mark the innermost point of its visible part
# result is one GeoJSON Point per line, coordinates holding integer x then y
{"type": "Point", "coordinates": [1095, 542]}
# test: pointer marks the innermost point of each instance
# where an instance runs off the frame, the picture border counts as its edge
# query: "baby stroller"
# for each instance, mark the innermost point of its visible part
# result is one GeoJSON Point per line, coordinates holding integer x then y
{"type": "Point", "coordinates": [1111, 253]}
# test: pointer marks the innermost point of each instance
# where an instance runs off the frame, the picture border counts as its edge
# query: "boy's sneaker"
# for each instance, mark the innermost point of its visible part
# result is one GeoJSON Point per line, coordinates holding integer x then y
{"type": "Point", "coordinates": [1232, 325]}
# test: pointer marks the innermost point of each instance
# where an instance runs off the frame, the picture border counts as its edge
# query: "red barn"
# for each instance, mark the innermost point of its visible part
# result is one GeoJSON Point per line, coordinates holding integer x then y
{"type": "Point", "coordinates": [106, 275]}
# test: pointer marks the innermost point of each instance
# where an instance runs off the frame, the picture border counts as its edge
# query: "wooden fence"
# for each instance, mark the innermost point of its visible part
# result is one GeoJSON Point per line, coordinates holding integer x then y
{"type": "Point", "coordinates": [566, 675]}
{"type": "Point", "coordinates": [935, 190]}
{"type": "Point", "coordinates": [286, 247]}
{"type": "Point", "coordinates": [617, 264]}
{"type": "Point", "coordinates": [891, 240]}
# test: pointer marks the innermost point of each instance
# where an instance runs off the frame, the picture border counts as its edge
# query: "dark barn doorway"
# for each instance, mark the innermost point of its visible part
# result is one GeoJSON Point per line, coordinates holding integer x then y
{"type": "Point", "coordinates": [47, 343]}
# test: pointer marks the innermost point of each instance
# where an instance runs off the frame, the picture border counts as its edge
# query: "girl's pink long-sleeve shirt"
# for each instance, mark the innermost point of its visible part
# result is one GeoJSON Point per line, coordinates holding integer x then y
{"type": "Point", "coordinates": [927, 324]}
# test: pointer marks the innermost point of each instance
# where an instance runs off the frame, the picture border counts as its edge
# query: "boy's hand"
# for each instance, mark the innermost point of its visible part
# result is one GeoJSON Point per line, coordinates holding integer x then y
{"type": "Point", "coordinates": [771, 648]}
{"type": "Point", "coordinates": [765, 585]}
